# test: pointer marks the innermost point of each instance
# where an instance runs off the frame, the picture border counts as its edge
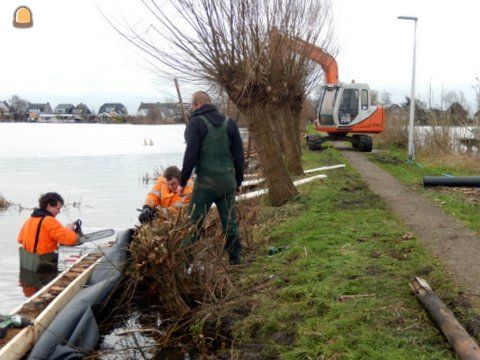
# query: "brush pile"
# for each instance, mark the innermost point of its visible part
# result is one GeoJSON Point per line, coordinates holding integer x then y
{"type": "Point", "coordinates": [194, 285]}
{"type": "Point", "coordinates": [179, 277]}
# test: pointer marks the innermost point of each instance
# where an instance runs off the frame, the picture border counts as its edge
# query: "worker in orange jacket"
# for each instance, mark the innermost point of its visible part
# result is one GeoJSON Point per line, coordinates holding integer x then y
{"type": "Point", "coordinates": [42, 233]}
{"type": "Point", "coordinates": [165, 197]}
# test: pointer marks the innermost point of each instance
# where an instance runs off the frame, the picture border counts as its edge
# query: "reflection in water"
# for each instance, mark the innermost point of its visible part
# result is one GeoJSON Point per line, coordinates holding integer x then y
{"type": "Point", "coordinates": [464, 138]}
{"type": "Point", "coordinates": [133, 333]}
{"type": "Point", "coordinates": [128, 338]}
{"type": "Point", "coordinates": [32, 281]}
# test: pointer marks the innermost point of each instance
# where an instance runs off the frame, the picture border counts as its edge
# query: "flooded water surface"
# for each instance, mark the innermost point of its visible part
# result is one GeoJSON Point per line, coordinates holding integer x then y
{"type": "Point", "coordinates": [97, 168]}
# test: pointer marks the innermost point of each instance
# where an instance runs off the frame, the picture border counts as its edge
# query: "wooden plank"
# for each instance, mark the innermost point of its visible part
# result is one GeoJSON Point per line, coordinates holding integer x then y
{"type": "Point", "coordinates": [25, 339]}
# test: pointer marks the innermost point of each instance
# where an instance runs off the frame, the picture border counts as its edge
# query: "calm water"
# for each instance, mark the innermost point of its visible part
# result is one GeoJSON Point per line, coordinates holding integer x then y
{"type": "Point", "coordinates": [455, 132]}
{"type": "Point", "coordinates": [99, 166]}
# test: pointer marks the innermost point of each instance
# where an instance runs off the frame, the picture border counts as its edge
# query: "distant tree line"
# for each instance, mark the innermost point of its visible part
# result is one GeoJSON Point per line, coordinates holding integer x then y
{"type": "Point", "coordinates": [453, 108]}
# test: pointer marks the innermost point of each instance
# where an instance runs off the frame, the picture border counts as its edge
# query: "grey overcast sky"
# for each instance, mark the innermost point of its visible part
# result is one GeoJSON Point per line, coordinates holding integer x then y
{"type": "Point", "coordinates": [73, 55]}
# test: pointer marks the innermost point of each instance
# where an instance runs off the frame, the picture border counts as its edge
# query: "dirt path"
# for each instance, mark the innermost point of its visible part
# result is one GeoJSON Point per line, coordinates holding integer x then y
{"type": "Point", "coordinates": [457, 247]}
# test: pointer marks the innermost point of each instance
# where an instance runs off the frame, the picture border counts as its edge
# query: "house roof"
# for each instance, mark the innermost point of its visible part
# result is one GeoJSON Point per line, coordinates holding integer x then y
{"type": "Point", "coordinates": [119, 108]}
{"type": "Point", "coordinates": [456, 107]}
{"type": "Point", "coordinates": [64, 106]}
{"type": "Point", "coordinates": [396, 107]}
{"type": "Point", "coordinates": [38, 106]}
{"type": "Point", "coordinates": [148, 106]}
{"type": "Point", "coordinates": [81, 109]}
{"type": "Point", "coordinates": [4, 105]}
{"type": "Point", "coordinates": [167, 109]}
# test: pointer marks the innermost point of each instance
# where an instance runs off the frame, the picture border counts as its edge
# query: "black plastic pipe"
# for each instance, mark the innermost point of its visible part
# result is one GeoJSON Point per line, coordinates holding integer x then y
{"type": "Point", "coordinates": [460, 181]}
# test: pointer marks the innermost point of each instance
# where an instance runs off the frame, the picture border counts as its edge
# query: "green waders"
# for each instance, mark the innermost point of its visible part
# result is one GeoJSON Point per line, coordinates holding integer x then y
{"type": "Point", "coordinates": [216, 183]}
{"type": "Point", "coordinates": [36, 262]}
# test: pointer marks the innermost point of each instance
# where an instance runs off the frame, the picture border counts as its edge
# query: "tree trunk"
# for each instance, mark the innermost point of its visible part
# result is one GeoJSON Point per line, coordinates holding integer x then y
{"type": "Point", "coordinates": [279, 130]}
{"type": "Point", "coordinates": [277, 178]}
{"type": "Point", "coordinates": [291, 139]}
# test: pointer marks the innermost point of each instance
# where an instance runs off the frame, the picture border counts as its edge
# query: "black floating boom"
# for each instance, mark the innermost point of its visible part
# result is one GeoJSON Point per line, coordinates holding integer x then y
{"type": "Point", "coordinates": [460, 181]}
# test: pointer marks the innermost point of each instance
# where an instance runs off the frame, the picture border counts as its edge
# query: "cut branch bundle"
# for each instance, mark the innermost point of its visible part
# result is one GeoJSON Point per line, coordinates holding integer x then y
{"type": "Point", "coordinates": [177, 276]}
{"type": "Point", "coordinates": [194, 285]}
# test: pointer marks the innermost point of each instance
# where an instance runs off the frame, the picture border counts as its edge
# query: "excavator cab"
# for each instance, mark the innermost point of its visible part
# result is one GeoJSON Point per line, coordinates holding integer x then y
{"type": "Point", "coordinates": [343, 109]}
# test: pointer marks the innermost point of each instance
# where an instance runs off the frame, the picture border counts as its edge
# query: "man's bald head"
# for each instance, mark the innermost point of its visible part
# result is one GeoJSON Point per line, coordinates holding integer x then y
{"type": "Point", "coordinates": [200, 98]}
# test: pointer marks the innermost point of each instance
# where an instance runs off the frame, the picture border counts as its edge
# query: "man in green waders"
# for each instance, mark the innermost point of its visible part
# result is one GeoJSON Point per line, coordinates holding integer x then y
{"type": "Point", "coordinates": [215, 150]}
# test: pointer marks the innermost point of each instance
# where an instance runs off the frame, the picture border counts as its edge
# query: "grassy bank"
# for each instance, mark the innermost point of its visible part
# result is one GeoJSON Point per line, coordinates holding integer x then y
{"type": "Point", "coordinates": [339, 239]}
{"type": "Point", "coordinates": [461, 203]}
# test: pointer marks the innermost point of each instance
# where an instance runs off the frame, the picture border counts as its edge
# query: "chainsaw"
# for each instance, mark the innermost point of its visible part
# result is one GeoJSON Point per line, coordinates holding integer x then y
{"type": "Point", "coordinates": [93, 236]}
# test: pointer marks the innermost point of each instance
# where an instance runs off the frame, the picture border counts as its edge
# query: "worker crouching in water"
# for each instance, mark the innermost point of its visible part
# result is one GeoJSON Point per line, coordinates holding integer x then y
{"type": "Point", "coordinates": [165, 196]}
{"type": "Point", "coordinates": [42, 233]}
{"type": "Point", "coordinates": [215, 150]}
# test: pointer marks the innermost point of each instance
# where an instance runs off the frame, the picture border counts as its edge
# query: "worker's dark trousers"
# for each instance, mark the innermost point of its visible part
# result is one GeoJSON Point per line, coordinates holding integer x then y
{"type": "Point", "coordinates": [200, 203]}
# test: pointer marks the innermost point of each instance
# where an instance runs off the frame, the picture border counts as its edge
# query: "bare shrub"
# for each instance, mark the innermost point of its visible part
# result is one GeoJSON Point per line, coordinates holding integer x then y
{"type": "Point", "coordinates": [146, 178]}
{"type": "Point", "coordinates": [395, 133]}
{"type": "Point", "coordinates": [4, 203]}
{"type": "Point", "coordinates": [437, 139]}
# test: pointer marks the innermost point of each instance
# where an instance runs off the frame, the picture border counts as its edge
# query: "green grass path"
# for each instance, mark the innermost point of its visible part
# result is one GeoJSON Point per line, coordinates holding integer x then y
{"type": "Point", "coordinates": [454, 202]}
{"type": "Point", "coordinates": [341, 240]}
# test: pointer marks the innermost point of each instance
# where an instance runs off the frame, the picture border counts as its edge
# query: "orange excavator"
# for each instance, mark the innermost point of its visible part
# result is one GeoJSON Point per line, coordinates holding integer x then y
{"type": "Point", "coordinates": [343, 108]}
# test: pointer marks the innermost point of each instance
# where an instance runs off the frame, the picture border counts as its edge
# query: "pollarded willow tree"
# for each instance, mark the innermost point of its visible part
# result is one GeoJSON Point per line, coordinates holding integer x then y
{"type": "Point", "coordinates": [239, 46]}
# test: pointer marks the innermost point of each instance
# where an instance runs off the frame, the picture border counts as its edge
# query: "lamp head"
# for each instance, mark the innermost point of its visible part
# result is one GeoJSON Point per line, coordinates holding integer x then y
{"type": "Point", "coordinates": [414, 18]}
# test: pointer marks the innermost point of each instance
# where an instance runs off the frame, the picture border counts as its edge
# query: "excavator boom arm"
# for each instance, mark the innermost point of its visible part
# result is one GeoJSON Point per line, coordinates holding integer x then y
{"type": "Point", "coordinates": [314, 53]}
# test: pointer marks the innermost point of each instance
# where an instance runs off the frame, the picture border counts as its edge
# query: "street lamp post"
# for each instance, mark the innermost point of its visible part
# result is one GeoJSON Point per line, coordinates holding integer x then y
{"type": "Point", "coordinates": [411, 148]}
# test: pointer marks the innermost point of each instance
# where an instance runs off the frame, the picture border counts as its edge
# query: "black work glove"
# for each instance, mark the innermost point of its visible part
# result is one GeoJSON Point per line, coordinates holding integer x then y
{"type": "Point", "coordinates": [77, 227]}
{"type": "Point", "coordinates": [147, 215]}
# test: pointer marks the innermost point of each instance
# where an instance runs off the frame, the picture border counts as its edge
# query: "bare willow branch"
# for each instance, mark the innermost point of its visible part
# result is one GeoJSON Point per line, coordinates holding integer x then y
{"type": "Point", "coordinates": [231, 44]}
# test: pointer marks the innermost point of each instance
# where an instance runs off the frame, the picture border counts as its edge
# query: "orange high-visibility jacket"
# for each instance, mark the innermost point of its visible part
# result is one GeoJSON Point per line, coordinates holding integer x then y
{"type": "Point", "coordinates": [50, 235]}
{"type": "Point", "coordinates": [160, 195]}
